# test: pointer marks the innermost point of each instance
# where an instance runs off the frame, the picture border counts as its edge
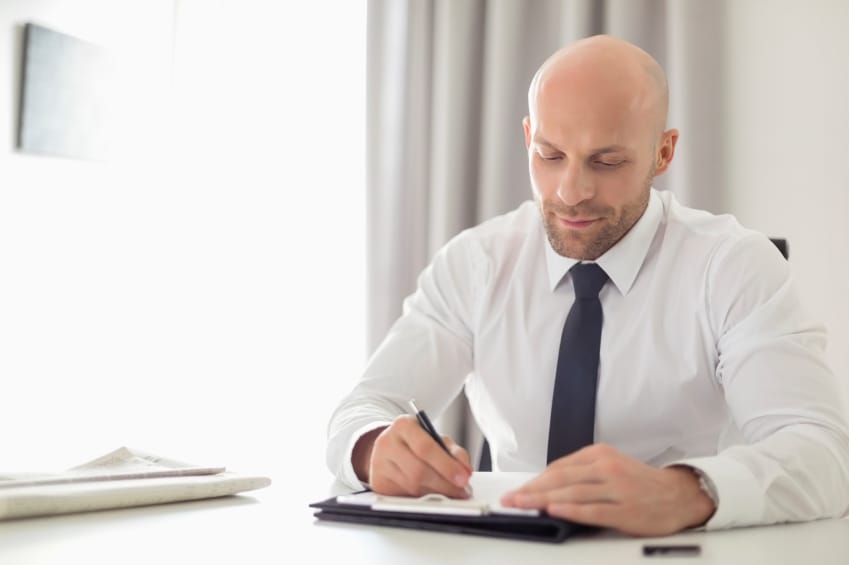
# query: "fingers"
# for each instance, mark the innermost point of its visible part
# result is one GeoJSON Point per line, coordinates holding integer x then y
{"type": "Point", "coordinates": [579, 487]}
{"type": "Point", "coordinates": [407, 461]}
{"type": "Point", "coordinates": [429, 451]}
{"type": "Point", "coordinates": [587, 500]}
{"type": "Point", "coordinates": [604, 514]}
{"type": "Point", "coordinates": [582, 493]}
{"type": "Point", "coordinates": [602, 487]}
{"type": "Point", "coordinates": [555, 477]}
{"type": "Point", "coordinates": [458, 453]}
{"type": "Point", "coordinates": [592, 464]}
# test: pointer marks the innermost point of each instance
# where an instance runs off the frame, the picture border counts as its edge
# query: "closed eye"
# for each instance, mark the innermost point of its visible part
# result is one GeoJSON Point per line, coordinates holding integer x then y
{"type": "Point", "coordinates": [550, 157]}
{"type": "Point", "coordinates": [608, 164]}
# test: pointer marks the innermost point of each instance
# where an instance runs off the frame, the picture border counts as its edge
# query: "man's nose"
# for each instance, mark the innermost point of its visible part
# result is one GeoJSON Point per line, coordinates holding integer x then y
{"type": "Point", "coordinates": [575, 185]}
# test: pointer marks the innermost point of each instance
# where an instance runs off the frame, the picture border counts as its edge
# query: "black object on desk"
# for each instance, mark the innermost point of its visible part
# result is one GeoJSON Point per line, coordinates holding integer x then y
{"type": "Point", "coordinates": [542, 528]}
{"type": "Point", "coordinates": [672, 550]}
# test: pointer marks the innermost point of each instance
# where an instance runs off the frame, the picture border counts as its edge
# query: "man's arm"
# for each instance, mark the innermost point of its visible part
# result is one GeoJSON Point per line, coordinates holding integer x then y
{"type": "Point", "coordinates": [426, 355]}
{"type": "Point", "coordinates": [792, 462]}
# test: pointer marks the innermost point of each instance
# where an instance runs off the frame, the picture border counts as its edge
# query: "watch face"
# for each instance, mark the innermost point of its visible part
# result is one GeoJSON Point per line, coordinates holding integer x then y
{"type": "Point", "coordinates": [708, 487]}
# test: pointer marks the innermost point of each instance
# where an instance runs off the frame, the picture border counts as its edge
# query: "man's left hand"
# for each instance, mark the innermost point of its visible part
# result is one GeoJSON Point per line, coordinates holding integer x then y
{"type": "Point", "coordinates": [600, 486]}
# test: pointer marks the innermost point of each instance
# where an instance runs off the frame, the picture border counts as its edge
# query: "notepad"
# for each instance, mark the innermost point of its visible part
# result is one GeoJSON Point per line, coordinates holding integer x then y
{"type": "Point", "coordinates": [488, 489]}
{"type": "Point", "coordinates": [482, 515]}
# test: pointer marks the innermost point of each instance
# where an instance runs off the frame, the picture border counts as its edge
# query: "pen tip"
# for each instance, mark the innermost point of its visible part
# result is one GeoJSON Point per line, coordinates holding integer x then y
{"type": "Point", "coordinates": [413, 405]}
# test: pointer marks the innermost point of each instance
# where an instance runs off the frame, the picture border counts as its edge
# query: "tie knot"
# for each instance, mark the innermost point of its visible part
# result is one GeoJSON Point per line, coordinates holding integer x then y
{"type": "Point", "coordinates": [588, 278]}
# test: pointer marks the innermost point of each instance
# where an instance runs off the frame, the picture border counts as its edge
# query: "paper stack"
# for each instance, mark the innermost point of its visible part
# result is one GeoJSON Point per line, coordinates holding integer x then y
{"type": "Point", "coordinates": [122, 478]}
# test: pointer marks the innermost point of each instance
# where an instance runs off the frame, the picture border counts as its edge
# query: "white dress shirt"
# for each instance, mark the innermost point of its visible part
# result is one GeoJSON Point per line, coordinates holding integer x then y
{"type": "Point", "coordinates": [707, 359]}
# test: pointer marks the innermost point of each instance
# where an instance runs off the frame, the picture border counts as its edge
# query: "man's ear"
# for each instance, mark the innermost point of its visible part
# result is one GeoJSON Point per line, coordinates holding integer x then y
{"type": "Point", "coordinates": [666, 151]}
{"type": "Point", "coordinates": [526, 124]}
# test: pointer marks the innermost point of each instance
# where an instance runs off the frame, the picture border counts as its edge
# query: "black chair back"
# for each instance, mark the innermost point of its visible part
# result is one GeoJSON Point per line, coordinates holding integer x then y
{"type": "Point", "coordinates": [781, 244]}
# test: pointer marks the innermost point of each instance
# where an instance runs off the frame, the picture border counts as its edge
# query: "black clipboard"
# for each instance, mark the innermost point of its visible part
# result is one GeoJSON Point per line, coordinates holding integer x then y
{"type": "Point", "coordinates": [540, 528]}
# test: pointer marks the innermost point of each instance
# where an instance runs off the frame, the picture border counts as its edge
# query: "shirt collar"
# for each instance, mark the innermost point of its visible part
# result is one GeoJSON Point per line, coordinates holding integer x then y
{"type": "Point", "coordinates": [621, 262]}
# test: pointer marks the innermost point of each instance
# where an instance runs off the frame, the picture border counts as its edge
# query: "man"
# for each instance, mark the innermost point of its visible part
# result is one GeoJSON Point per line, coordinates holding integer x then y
{"type": "Point", "coordinates": [713, 405]}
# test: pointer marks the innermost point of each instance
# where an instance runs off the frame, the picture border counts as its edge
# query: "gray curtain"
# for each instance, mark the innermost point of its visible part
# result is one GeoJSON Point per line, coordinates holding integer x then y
{"type": "Point", "coordinates": [446, 92]}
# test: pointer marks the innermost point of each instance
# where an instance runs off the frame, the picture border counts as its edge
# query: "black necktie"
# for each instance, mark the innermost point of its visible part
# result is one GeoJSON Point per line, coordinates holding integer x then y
{"type": "Point", "coordinates": [573, 402]}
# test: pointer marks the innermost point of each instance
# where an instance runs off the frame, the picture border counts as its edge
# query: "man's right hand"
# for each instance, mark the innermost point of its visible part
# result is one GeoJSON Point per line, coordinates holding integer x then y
{"type": "Point", "coordinates": [403, 460]}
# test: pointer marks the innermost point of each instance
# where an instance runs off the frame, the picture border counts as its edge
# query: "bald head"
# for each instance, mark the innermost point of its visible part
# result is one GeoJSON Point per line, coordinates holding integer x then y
{"type": "Point", "coordinates": [607, 70]}
{"type": "Point", "coordinates": [596, 138]}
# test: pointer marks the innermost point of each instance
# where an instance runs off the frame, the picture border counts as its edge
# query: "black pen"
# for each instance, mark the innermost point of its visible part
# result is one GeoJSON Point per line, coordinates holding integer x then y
{"type": "Point", "coordinates": [425, 422]}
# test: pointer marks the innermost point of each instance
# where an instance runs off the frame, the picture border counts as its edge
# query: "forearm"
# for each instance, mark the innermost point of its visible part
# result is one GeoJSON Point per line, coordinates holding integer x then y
{"type": "Point", "coordinates": [798, 473]}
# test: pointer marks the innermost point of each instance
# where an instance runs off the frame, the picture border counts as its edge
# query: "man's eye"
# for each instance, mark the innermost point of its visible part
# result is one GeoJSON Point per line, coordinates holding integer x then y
{"type": "Point", "coordinates": [550, 157]}
{"type": "Point", "coordinates": [608, 164]}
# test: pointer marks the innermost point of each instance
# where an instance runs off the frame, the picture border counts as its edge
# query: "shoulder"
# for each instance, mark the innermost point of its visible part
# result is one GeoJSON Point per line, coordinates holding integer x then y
{"type": "Point", "coordinates": [737, 270]}
{"type": "Point", "coordinates": [467, 264]}
{"type": "Point", "coordinates": [500, 237]}
{"type": "Point", "coordinates": [517, 223]}
{"type": "Point", "coordinates": [714, 239]}
{"type": "Point", "coordinates": [491, 251]}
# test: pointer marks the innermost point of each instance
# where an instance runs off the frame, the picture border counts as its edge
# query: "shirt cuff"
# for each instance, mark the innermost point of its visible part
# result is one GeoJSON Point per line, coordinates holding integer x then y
{"type": "Point", "coordinates": [348, 475]}
{"type": "Point", "coordinates": [741, 502]}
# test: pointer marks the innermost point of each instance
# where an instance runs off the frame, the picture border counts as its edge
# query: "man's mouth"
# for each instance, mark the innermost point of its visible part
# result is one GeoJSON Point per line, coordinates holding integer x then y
{"type": "Point", "coordinates": [577, 223]}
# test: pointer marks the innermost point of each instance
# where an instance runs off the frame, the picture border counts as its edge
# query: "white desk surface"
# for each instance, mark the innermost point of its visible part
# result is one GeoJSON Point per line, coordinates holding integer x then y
{"type": "Point", "coordinates": [275, 526]}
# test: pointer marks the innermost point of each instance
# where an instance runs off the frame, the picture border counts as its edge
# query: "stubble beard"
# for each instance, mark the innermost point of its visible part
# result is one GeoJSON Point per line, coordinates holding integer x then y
{"type": "Point", "coordinates": [591, 245]}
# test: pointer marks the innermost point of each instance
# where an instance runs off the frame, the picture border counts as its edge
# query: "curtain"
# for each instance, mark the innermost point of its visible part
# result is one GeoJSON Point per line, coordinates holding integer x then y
{"type": "Point", "coordinates": [446, 93]}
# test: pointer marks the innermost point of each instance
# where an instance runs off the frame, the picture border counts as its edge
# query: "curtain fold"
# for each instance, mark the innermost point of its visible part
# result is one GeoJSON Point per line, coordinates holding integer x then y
{"type": "Point", "coordinates": [447, 92]}
{"type": "Point", "coordinates": [398, 125]}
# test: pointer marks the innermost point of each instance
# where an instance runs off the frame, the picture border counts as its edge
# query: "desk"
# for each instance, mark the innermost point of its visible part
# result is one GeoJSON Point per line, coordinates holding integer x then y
{"type": "Point", "coordinates": [275, 526]}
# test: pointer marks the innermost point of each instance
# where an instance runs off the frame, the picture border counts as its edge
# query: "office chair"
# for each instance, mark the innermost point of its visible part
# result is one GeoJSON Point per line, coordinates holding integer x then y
{"type": "Point", "coordinates": [781, 244]}
{"type": "Point", "coordinates": [485, 461]}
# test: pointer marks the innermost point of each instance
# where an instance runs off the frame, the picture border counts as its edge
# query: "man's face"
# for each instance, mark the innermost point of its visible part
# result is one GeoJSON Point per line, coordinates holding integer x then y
{"type": "Point", "coordinates": [591, 166]}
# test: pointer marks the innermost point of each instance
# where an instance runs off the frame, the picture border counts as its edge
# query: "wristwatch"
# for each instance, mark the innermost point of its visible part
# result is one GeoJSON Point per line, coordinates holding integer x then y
{"type": "Point", "coordinates": [707, 486]}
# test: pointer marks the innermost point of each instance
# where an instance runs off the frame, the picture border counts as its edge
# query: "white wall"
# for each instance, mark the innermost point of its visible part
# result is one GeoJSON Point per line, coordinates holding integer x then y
{"type": "Point", "coordinates": [74, 284]}
{"type": "Point", "coordinates": [787, 143]}
{"type": "Point", "coordinates": [201, 297]}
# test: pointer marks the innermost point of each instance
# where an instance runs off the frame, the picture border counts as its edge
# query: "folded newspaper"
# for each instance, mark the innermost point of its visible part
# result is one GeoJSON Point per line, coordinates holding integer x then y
{"type": "Point", "coordinates": [122, 478]}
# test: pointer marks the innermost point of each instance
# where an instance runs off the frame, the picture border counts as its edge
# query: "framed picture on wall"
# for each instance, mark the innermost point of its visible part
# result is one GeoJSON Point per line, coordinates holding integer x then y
{"type": "Point", "coordinates": [67, 96]}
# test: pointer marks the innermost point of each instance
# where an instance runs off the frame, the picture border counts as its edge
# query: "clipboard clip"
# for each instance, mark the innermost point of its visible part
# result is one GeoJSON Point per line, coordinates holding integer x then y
{"type": "Point", "coordinates": [431, 504]}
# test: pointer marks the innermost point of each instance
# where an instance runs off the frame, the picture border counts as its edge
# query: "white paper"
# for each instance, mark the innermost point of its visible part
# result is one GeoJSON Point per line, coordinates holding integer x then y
{"type": "Point", "coordinates": [123, 463]}
{"type": "Point", "coordinates": [487, 488]}
{"type": "Point", "coordinates": [121, 478]}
